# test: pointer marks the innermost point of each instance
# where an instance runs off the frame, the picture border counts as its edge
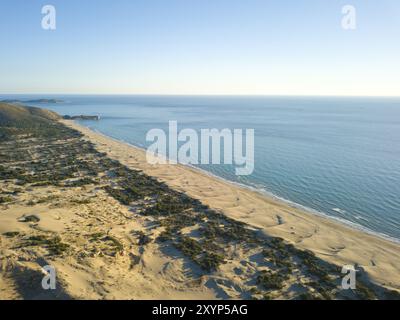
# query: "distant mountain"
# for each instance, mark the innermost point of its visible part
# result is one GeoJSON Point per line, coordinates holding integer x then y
{"type": "Point", "coordinates": [32, 101]}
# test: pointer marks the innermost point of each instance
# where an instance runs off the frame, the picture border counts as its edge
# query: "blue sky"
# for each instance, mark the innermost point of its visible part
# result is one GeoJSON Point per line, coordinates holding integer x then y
{"type": "Point", "coordinates": [271, 47]}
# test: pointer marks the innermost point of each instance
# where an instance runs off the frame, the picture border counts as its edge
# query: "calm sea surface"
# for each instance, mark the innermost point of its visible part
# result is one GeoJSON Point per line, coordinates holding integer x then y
{"type": "Point", "coordinates": [337, 156]}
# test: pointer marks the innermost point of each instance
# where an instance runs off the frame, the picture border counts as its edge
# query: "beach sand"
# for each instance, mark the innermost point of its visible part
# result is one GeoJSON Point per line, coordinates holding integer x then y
{"type": "Point", "coordinates": [330, 240]}
{"type": "Point", "coordinates": [104, 249]}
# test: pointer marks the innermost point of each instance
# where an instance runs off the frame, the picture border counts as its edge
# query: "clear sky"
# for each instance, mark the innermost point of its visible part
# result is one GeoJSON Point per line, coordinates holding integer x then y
{"type": "Point", "coordinates": [271, 47]}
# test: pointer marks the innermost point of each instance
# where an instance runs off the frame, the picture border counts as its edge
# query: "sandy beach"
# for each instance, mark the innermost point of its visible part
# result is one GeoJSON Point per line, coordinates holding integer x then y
{"type": "Point", "coordinates": [113, 226]}
{"type": "Point", "coordinates": [328, 239]}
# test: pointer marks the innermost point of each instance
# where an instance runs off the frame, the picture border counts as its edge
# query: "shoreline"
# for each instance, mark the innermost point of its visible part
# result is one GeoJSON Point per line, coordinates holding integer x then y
{"type": "Point", "coordinates": [346, 223]}
{"type": "Point", "coordinates": [329, 239]}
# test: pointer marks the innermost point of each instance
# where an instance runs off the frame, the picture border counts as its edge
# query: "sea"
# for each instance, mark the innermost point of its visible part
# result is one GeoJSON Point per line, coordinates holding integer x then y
{"type": "Point", "coordinates": [334, 156]}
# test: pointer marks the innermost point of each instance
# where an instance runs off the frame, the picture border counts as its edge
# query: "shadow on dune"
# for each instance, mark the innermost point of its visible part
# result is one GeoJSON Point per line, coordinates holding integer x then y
{"type": "Point", "coordinates": [28, 283]}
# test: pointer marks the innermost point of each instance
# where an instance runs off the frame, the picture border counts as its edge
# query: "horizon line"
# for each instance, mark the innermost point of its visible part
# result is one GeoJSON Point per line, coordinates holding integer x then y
{"type": "Point", "coordinates": [206, 95]}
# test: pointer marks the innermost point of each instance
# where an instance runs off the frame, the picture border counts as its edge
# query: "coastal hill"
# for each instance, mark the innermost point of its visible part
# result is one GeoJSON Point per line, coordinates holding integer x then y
{"type": "Point", "coordinates": [15, 113]}
{"type": "Point", "coordinates": [112, 231]}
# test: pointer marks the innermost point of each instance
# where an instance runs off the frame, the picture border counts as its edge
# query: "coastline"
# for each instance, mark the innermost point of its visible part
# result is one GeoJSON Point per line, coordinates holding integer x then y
{"type": "Point", "coordinates": [331, 240]}
{"type": "Point", "coordinates": [265, 193]}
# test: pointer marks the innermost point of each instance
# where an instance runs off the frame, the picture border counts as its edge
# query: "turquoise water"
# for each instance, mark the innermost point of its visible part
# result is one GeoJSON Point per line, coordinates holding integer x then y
{"type": "Point", "coordinates": [337, 156]}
